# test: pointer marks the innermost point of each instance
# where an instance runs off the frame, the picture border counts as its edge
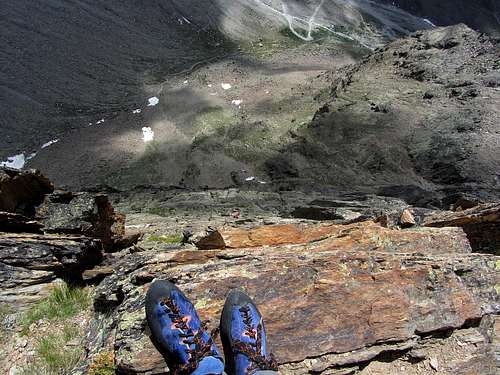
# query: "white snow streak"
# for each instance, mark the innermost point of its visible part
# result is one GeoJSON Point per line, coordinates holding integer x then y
{"type": "Point", "coordinates": [50, 143]}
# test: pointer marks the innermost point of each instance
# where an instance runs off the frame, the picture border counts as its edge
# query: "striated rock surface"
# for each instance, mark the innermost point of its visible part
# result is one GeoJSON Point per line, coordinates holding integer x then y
{"type": "Point", "coordinates": [347, 296]}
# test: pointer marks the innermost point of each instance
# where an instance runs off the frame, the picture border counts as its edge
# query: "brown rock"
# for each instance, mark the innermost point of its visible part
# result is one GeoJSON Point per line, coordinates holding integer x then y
{"type": "Point", "coordinates": [21, 191]}
{"type": "Point", "coordinates": [270, 235]}
{"type": "Point", "coordinates": [481, 224]}
{"type": "Point", "coordinates": [407, 220]}
{"type": "Point", "coordinates": [366, 233]}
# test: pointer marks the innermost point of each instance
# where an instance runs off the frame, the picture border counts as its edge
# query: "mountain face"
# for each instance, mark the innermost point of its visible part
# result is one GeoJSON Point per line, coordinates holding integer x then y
{"type": "Point", "coordinates": [76, 74]}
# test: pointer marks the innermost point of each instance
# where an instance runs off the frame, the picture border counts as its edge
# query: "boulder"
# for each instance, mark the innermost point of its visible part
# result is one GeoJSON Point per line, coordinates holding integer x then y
{"type": "Point", "coordinates": [407, 219]}
{"type": "Point", "coordinates": [481, 224]}
{"type": "Point", "coordinates": [87, 214]}
{"type": "Point", "coordinates": [344, 296]}
{"type": "Point", "coordinates": [21, 191]}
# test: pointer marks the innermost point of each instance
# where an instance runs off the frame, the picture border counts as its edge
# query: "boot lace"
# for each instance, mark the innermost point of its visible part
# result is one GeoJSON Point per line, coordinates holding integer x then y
{"type": "Point", "coordinates": [201, 348]}
{"type": "Point", "coordinates": [252, 350]}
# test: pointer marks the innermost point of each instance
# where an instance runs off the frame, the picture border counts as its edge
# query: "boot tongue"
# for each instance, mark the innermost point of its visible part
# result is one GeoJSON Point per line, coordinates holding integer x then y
{"type": "Point", "coordinates": [209, 366]}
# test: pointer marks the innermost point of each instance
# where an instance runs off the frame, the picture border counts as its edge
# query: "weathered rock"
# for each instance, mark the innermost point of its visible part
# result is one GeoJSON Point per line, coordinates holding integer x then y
{"type": "Point", "coordinates": [481, 223]}
{"type": "Point", "coordinates": [234, 237]}
{"type": "Point", "coordinates": [345, 298]}
{"type": "Point", "coordinates": [407, 220]}
{"type": "Point", "coordinates": [423, 240]}
{"type": "Point", "coordinates": [29, 263]}
{"type": "Point", "coordinates": [21, 191]}
{"type": "Point", "coordinates": [85, 214]}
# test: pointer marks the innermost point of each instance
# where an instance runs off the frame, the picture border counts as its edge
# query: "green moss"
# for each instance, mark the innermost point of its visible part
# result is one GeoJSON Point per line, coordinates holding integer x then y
{"type": "Point", "coordinates": [166, 239]}
{"type": "Point", "coordinates": [104, 364]}
{"type": "Point", "coordinates": [63, 302]}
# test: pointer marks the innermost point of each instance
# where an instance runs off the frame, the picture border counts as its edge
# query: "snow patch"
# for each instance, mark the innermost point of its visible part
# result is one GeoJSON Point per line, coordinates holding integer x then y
{"type": "Point", "coordinates": [50, 143]}
{"type": "Point", "coordinates": [153, 101]}
{"type": "Point", "coordinates": [136, 111]}
{"type": "Point", "coordinates": [14, 162]}
{"type": "Point", "coordinates": [237, 102]}
{"type": "Point", "coordinates": [147, 134]}
{"type": "Point", "coordinates": [101, 121]}
{"type": "Point", "coordinates": [226, 86]}
{"type": "Point", "coordinates": [251, 178]}
{"type": "Point", "coordinates": [186, 82]}
{"type": "Point", "coordinates": [31, 156]}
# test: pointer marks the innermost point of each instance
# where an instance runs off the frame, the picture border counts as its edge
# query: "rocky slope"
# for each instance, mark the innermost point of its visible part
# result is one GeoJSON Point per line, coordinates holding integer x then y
{"type": "Point", "coordinates": [119, 55]}
{"type": "Point", "coordinates": [416, 119]}
{"type": "Point", "coordinates": [422, 111]}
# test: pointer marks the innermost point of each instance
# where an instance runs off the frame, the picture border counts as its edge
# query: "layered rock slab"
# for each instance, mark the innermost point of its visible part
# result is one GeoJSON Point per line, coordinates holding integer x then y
{"type": "Point", "coordinates": [326, 303]}
{"type": "Point", "coordinates": [29, 263]}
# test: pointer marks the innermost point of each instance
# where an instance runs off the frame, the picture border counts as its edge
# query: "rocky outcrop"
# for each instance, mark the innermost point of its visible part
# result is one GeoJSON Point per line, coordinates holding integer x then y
{"type": "Point", "coordinates": [46, 236]}
{"type": "Point", "coordinates": [86, 214]}
{"type": "Point", "coordinates": [21, 191]}
{"type": "Point", "coordinates": [29, 263]}
{"type": "Point", "coordinates": [347, 296]}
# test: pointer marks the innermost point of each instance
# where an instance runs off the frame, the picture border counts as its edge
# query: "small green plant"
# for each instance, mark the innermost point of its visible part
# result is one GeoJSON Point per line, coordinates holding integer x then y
{"type": "Point", "coordinates": [166, 239]}
{"type": "Point", "coordinates": [63, 302]}
{"type": "Point", "coordinates": [104, 364]}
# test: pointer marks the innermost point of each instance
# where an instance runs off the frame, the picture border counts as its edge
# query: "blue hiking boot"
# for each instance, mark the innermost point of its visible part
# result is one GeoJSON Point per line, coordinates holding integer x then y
{"type": "Point", "coordinates": [178, 333]}
{"type": "Point", "coordinates": [243, 336]}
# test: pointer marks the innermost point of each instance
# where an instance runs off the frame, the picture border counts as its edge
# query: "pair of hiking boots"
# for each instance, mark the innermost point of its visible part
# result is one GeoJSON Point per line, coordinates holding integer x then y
{"type": "Point", "coordinates": [188, 347]}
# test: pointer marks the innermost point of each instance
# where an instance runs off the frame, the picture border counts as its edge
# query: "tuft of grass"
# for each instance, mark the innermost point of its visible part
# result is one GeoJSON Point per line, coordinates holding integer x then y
{"type": "Point", "coordinates": [54, 353]}
{"type": "Point", "coordinates": [4, 311]}
{"type": "Point", "coordinates": [166, 239]}
{"type": "Point", "coordinates": [104, 364]}
{"type": "Point", "coordinates": [63, 302]}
